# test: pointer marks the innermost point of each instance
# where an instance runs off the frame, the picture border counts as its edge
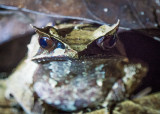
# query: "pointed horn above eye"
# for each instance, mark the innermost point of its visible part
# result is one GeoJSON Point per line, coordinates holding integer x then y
{"type": "Point", "coordinates": [106, 29]}
{"type": "Point", "coordinates": [115, 27]}
{"type": "Point", "coordinates": [42, 31]}
{"type": "Point", "coordinates": [31, 25]}
{"type": "Point", "coordinates": [36, 28]}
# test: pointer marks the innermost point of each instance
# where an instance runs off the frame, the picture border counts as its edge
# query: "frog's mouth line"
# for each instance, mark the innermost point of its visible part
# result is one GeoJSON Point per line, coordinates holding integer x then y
{"type": "Point", "coordinates": [65, 58]}
{"type": "Point", "coordinates": [48, 59]}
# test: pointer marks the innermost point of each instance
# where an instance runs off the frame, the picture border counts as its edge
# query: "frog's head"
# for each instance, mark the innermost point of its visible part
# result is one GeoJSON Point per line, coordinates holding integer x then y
{"type": "Point", "coordinates": [61, 43]}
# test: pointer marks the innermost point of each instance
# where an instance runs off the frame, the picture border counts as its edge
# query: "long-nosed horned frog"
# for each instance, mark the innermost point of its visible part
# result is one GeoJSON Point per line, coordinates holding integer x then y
{"type": "Point", "coordinates": [72, 67]}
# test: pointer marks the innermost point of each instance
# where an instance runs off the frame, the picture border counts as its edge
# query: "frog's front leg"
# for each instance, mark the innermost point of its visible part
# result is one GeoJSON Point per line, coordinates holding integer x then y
{"type": "Point", "coordinates": [123, 88]}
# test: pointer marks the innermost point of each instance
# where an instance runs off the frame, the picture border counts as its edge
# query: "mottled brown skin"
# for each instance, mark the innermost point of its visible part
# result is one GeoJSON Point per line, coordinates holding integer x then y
{"type": "Point", "coordinates": [79, 82]}
{"type": "Point", "coordinates": [78, 78]}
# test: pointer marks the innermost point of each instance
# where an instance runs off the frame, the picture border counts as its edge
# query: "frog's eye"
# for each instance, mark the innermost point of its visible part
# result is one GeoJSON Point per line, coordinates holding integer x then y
{"type": "Point", "coordinates": [110, 41]}
{"type": "Point", "coordinates": [107, 41]}
{"type": "Point", "coordinates": [47, 43]}
{"type": "Point", "coordinates": [60, 45]}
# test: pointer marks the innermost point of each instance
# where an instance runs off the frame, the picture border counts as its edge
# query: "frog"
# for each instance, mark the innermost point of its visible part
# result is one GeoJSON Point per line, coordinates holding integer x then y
{"type": "Point", "coordinates": [74, 66]}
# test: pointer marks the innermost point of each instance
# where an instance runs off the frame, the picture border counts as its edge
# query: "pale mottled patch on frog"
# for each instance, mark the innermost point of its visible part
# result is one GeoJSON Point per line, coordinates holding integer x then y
{"type": "Point", "coordinates": [84, 74]}
{"type": "Point", "coordinates": [100, 72]}
{"type": "Point", "coordinates": [52, 82]}
{"type": "Point", "coordinates": [99, 82]}
{"type": "Point", "coordinates": [100, 77]}
{"type": "Point", "coordinates": [44, 77]}
{"type": "Point", "coordinates": [66, 81]}
{"type": "Point", "coordinates": [71, 98]}
{"type": "Point", "coordinates": [59, 69]}
{"type": "Point", "coordinates": [70, 105]}
{"type": "Point", "coordinates": [38, 87]}
{"type": "Point", "coordinates": [100, 67]}
{"type": "Point", "coordinates": [129, 72]}
{"type": "Point", "coordinates": [58, 52]}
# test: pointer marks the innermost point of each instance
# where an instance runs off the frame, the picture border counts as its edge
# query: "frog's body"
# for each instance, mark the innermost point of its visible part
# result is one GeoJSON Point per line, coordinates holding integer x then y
{"type": "Point", "coordinates": [75, 84]}
{"type": "Point", "coordinates": [70, 75]}
{"type": "Point", "coordinates": [72, 84]}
